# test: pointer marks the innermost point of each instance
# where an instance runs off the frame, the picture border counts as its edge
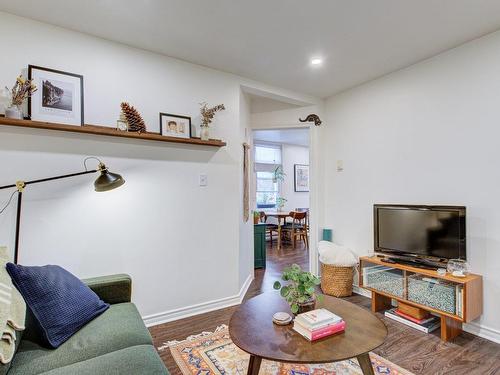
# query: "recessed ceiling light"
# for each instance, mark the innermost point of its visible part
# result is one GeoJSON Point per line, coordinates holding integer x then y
{"type": "Point", "coordinates": [316, 61]}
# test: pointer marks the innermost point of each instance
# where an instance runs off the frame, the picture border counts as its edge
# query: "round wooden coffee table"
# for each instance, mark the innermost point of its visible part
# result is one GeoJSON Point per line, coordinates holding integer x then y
{"type": "Point", "coordinates": [251, 328]}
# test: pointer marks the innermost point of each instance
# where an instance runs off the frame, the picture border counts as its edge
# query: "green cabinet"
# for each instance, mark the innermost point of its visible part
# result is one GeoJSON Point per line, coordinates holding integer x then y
{"type": "Point", "coordinates": [259, 244]}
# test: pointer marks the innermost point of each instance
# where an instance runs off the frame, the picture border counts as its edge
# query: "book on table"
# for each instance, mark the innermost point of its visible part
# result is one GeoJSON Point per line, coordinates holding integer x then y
{"type": "Point", "coordinates": [317, 324]}
{"type": "Point", "coordinates": [427, 326]}
{"type": "Point", "coordinates": [317, 318]}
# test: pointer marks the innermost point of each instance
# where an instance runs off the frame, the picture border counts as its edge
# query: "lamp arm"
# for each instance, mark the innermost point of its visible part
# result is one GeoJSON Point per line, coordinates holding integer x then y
{"type": "Point", "coordinates": [20, 185]}
{"type": "Point", "coordinates": [46, 179]}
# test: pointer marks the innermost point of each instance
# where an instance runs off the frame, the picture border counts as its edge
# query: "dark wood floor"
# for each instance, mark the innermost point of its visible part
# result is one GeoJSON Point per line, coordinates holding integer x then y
{"type": "Point", "coordinates": [410, 349]}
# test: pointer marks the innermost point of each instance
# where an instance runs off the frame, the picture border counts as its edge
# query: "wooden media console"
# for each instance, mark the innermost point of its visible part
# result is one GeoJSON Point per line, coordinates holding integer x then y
{"type": "Point", "coordinates": [456, 300]}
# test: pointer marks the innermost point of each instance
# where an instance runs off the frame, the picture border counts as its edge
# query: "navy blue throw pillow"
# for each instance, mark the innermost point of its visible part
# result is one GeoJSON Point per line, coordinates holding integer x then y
{"type": "Point", "coordinates": [61, 304]}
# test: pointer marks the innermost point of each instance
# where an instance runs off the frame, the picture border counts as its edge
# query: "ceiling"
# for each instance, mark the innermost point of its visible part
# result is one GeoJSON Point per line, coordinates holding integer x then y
{"type": "Point", "coordinates": [273, 41]}
{"type": "Point", "coordinates": [299, 137]}
{"type": "Point", "coordinates": [260, 104]}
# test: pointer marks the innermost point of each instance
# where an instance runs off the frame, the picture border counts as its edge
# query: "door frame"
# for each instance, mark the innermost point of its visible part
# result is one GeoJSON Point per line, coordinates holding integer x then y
{"type": "Point", "coordinates": [314, 209]}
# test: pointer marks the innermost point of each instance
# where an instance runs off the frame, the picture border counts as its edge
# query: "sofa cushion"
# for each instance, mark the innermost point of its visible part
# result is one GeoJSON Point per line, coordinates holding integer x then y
{"type": "Point", "coordinates": [59, 301]}
{"type": "Point", "coordinates": [117, 328]}
{"type": "Point", "coordinates": [141, 359]}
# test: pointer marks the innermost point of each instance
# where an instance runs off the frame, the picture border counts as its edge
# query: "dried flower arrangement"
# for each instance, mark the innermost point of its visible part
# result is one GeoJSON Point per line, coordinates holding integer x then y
{"type": "Point", "coordinates": [22, 89]}
{"type": "Point", "coordinates": [134, 119]}
{"type": "Point", "coordinates": [207, 114]}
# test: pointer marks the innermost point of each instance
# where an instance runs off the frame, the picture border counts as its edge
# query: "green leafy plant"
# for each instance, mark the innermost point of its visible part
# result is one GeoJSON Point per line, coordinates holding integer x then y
{"type": "Point", "coordinates": [280, 202]}
{"type": "Point", "coordinates": [279, 174]}
{"type": "Point", "coordinates": [300, 287]}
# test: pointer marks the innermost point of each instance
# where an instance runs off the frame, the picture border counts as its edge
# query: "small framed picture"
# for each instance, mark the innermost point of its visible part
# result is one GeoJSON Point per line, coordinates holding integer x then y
{"type": "Point", "coordinates": [59, 97]}
{"type": "Point", "coordinates": [175, 125]}
{"type": "Point", "coordinates": [301, 177]}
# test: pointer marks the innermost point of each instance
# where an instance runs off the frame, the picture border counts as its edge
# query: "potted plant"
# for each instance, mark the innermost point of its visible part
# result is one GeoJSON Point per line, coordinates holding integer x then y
{"type": "Point", "coordinates": [22, 89]}
{"type": "Point", "coordinates": [279, 174]}
{"type": "Point", "coordinates": [207, 116]}
{"type": "Point", "coordinates": [256, 217]}
{"type": "Point", "coordinates": [300, 291]}
{"type": "Point", "coordinates": [280, 203]}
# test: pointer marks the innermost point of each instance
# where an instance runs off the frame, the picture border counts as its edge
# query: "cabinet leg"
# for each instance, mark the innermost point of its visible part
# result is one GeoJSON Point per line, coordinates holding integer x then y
{"type": "Point", "coordinates": [380, 302]}
{"type": "Point", "coordinates": [450, 328]}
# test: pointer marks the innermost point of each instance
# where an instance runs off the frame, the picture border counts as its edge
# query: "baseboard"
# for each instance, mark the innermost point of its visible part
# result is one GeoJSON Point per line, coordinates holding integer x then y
{"type": "Point", "coordinates": [482, 331]}
{"type": "Point", "coordinates": [200, 308]}
{"type": "Point", "coordinates": [473, 328]}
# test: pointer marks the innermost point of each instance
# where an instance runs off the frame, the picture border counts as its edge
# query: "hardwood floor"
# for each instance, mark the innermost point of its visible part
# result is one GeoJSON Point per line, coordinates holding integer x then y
{"type": "Point", "coordinates": [410, 349]}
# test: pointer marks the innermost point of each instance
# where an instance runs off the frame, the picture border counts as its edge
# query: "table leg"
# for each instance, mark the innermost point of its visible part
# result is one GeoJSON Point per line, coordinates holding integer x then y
{"type": "Point", "coordinates": [366, 364]}
{"type": "Point", "coordinates": [254, 365]}
{"type": "Point", "coordinates": [279, 234]}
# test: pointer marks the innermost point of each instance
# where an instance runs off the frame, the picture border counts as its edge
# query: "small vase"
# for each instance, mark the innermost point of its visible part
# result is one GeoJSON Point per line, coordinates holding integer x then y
{"type": "Point", "coordinates": [204, 133]}
{"type": "Point", "coordinates": [307, 306]}
{"type": "Point", "coordinates": [14, 111]}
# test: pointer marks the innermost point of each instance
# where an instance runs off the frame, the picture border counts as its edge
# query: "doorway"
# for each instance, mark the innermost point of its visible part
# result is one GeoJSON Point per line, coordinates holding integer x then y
{"type": "Point", "coordinates": [281, 195]}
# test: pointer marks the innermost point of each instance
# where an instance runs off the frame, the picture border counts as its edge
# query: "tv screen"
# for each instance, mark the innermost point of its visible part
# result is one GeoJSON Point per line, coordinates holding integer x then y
{"type": "Point", "coordinates": [428, 231]}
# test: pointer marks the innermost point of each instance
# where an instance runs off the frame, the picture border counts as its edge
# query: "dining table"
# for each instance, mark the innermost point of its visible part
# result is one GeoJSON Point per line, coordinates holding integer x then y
{"type": "Point", "coordinates": [280, 215]}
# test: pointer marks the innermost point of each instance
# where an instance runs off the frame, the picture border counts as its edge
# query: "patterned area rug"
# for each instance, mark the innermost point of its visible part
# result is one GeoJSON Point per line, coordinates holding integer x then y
{"type": "Point", "coordinates": [213, 353]}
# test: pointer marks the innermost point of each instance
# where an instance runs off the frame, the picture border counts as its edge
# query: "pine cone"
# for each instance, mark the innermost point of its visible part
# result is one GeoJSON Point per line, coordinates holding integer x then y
{"type": "Point", "coordinates": [134, 119]}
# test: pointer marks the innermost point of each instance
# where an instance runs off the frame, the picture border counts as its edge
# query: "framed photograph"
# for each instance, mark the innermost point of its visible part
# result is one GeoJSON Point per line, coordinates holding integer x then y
{"type": "Point", "coordinates": [175, 125]}
{"type": "Point", "coordinates": [59, 97]}
{"type": "Point", "coordinates": [301, 177]}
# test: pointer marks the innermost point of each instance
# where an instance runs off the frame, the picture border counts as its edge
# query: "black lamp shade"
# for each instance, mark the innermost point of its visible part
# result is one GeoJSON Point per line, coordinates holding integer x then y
{"type": "Point", "coordinates": [108, 181]}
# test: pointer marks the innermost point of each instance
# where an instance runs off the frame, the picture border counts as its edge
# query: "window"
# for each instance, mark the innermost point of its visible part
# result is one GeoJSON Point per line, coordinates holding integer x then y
{"type": "Point", "coordinates": [267, 190]}
{"type": "Point", "coordinates": [268, 154]}
{"type": "Point", "coordinates": [267, 159]}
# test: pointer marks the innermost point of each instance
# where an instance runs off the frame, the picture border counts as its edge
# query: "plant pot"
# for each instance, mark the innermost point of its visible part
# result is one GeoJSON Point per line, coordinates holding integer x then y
{"type": "Point", "coordinates": [204, 133]}
{"type": "Point", "coordinates": [307, 306]}
{"type": "Point", "coordinates": [14, 111]}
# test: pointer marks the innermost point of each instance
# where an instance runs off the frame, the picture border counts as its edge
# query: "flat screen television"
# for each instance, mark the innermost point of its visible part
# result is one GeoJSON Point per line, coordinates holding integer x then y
{"type": "Point", "coordinates": [432, 232]}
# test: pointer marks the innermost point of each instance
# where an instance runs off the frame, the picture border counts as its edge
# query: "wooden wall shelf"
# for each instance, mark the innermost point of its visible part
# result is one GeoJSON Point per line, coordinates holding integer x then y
{"type": "Point", "coordinates": [107, 131]}
{"type": "Point", "coordinates": [451, 324]}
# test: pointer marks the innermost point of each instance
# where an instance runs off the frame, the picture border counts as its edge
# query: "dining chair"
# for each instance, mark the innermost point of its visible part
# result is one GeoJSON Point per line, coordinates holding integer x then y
{"type": "Point", "coordinates": [270, 228]}
{"type": "Point", "coordinates": [297, 228]}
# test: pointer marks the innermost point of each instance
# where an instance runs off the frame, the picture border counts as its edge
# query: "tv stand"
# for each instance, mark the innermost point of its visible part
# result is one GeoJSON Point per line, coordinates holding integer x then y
{"type": "Point", "coordinates": [456, 300]}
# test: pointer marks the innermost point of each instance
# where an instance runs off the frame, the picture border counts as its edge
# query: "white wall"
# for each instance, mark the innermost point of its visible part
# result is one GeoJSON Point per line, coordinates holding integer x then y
{"type": "Point", "coordinates": [184, 245]}
{"type": "Point", "coordinates": [428, 134]}
{"type": "Point", "coordinates": [291, 155]}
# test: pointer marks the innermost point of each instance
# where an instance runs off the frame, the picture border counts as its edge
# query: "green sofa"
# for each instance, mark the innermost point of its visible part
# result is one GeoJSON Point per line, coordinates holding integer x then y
{"type": "Point", "coordinates": [116, 342]}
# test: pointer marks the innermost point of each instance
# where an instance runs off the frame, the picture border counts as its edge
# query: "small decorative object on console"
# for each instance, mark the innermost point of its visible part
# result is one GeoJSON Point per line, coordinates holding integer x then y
{"type": "Point", "coordinates": [134, 118]}
{"type": "Point", "coordinates": [207, 116]}
{"type": "Point", "coordinates": [22, 89]}
{"type": "Point", "coordinates": [300, 292]}
{"type": "Point", "coordinates": [458, 267]}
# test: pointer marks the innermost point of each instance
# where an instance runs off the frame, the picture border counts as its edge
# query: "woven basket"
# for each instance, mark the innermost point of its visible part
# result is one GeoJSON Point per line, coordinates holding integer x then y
{"type": "Point", "coordinates": [336, 280]}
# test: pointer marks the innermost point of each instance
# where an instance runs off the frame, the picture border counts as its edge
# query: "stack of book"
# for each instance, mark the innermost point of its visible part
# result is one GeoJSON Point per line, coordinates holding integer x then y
{"type": "Point", "coordinates": [317, 324]}
{"type": "Point", "coordinates": [426, 325]}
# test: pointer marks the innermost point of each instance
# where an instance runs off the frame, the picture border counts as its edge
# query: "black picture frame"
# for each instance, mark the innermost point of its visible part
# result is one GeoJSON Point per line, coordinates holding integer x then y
{"type": "Point", "coordinates": [163, 131]}
{"type": "Point", "coordinates": [31, 68]}
{"type": "Point", "coordinates": [298, 189]}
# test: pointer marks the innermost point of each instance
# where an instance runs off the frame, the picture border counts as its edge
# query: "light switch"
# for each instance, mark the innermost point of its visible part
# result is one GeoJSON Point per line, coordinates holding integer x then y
{"type": "Point", "coordinates": [340, 165]}
{"type": "Point", "coordinates": [203, 179]}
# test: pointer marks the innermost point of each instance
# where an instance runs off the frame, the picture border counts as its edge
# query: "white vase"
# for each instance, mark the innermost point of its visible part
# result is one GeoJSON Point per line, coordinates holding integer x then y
{"type": "Point", "coordinates": [204, 133]}
{"type": "Point", "coordinates": [14, 112]}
